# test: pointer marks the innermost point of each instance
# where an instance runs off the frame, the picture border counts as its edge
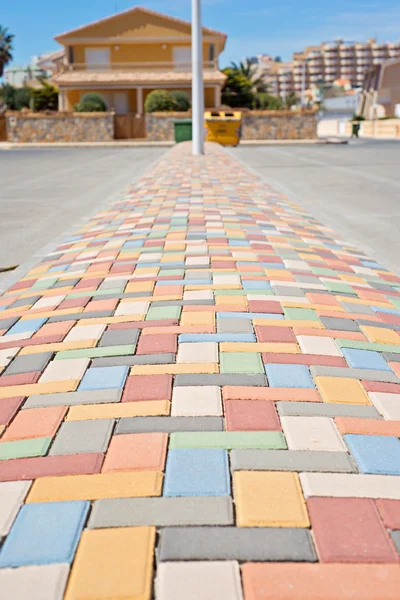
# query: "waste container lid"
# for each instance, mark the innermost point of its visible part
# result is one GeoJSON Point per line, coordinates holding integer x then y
{"type": "Point", "coordinates": [183, 121]}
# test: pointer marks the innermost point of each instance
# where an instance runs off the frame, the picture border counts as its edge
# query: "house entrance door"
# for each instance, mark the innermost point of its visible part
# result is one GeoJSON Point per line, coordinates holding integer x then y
{"type": "Point", "coordinates": [129, 126]}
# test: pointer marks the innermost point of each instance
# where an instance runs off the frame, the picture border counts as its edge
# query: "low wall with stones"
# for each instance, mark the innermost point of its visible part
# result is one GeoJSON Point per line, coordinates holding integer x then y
{"type": "Point", "coordinates": [256, 125]}
{"type": "Point", "coordinates": [60, 127]}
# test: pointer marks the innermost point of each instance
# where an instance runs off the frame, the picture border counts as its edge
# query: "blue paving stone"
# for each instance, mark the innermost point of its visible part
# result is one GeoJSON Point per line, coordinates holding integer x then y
{"type": "Point", "coordinates": [28, 325]}
{"type": "Point", "coordinates": [194, 472]}
{"type": "Point", "coordinates": [133, 244]}
{"type": "Point", "coordinates": [376, 454]}
{"type": "Point", "coordinates": [217, 337]}
{"type": "Point", "coordinates": [288, 376]}
{"type": "Point", "coordinates": [249, 284]}
{"type": "Point", "coordinates": [247, 315]}
{"type": "Point", "coordinates": [60, 268]}
{"type": "Point", "coordinates": [388, 311]}
{"type": "Point", "coordinates": [99, 378]}
{"type": "Point", "coordinates": [44, 533]}
{"type": "Point", "coordinates": [365, 359]}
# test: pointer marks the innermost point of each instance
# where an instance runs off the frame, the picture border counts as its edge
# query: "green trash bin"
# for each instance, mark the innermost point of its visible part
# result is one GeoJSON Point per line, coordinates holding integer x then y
{"type": "Point", "coordinates": [183, 130]}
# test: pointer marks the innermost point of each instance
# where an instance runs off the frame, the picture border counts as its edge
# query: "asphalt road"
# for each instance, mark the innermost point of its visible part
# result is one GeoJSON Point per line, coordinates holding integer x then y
{"type": "Point", "coordinates": [354, 188]}
{"type": "Point", "coordinates": [44, 192]}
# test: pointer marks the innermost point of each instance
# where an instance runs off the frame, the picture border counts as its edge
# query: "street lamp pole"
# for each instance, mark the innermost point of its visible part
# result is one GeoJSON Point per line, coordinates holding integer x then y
{"type": "Point", "coordinates": [197, 80]}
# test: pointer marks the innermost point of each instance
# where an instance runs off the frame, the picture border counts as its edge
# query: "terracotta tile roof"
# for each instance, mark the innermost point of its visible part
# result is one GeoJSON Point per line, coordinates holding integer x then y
{"type": "Point", "coordinates": [132, 77]}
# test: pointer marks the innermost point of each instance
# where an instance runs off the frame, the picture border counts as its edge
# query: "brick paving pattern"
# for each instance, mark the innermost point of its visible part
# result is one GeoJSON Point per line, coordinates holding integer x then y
{"type": "Point", "coordinates": [200, 399]}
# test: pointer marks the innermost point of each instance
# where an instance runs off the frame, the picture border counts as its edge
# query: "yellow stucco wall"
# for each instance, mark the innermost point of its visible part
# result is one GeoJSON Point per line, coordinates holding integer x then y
{"type": "Point", "coordinates": [136, 53]}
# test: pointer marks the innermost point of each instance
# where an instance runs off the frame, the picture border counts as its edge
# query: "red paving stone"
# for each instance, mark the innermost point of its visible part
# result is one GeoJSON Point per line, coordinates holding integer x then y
{"type": "Point", "coordinates": [390, 512]}
{"type": "Point", "coordinates": [20, 379]}
{"type": "Point", "coordinates": [8, 408]}
{"type": "Point", "coordinates": [251, 415]}
{"type": "Point", "coordinates": [157, 344]}
{"type": "Point", "coordinates": [147, 387]}
{"type": "Point", "coordinates": [266, 333]}
{"type": "Point", "coordinates": [50, 466]}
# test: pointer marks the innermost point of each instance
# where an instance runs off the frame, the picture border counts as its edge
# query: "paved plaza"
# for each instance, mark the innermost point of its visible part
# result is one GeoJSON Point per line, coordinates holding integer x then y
{"type": "Point", "coordinates": [200, 400]}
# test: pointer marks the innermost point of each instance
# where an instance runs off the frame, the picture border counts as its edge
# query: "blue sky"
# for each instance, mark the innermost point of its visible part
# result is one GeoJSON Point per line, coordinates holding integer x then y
{"type": "Point", "coordinates": [277, 28]}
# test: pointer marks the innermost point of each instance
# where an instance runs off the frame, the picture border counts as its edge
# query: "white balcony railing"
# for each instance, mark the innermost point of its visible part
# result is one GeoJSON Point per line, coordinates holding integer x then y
{"type": "Point", "coordinates": [137, 66]}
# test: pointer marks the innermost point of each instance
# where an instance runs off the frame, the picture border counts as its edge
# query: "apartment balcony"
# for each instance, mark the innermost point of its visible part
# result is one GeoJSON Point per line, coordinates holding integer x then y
{"type": "Point", "coordinates": [137, 67]}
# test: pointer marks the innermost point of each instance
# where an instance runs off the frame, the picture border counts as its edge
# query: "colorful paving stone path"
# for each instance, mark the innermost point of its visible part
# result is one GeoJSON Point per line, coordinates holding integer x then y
{"type": "Point", "coordinates": [200, 400]}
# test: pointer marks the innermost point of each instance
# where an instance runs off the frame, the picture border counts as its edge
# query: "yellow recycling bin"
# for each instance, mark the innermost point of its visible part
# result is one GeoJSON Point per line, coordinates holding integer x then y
{"type": "Point", "coordinates": [223, 127]}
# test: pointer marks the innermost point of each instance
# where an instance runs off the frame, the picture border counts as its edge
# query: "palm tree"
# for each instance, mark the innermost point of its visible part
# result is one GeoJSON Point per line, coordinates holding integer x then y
{"type": "Point", "coordinates": [6, 46]}
{"type": "Point", "coordinates": [249, 71]}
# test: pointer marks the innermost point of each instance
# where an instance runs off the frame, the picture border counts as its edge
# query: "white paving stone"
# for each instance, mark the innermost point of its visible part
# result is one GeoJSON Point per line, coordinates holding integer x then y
{"type": "Point", "coordinates": [198, 261]}
{"type": "Point", "coordinates": [7, 355]}
{"type": "Point", "coordinates": [61, 370]}
{"type": "Point", "coordinates": [387, 404]}
{"type": "Point", "coordinates": [85, 332]}
{"type": "Point", "coordinates": [312, 433]}
{"type": "Point", "coordinates": [132, 308]}
{"type": "Point", "coordinates": [45, 582]}
{"type": "Point", "coordinates": [213, 580]}
{"type": "Point", "coordinates": [48, 301]}
{"type": "Point", "coordinates": [349, 485]}
{"type": "Point", "coordinates": [310, 344]}
{"type": "Point", "coordinates": [226, 279]}
{"type": "Point", "coordinates": [198, 352]}
{"type": "Point", "coordinates": [196, 401]}
{"type": "Point", "coordinates": [12, 495]}
{"type": "Point", "coordinates": [198, 295]}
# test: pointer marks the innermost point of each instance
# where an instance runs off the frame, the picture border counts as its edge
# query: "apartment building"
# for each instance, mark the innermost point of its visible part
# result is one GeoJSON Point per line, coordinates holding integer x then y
{"type": "Point", "coordinates": [328, 62]}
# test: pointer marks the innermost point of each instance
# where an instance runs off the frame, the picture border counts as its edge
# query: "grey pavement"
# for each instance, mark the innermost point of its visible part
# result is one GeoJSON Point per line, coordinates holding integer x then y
{"type": "Point", "coordinates": [44, 192]}
{"type": "Point", "coordinates": [354, 188]}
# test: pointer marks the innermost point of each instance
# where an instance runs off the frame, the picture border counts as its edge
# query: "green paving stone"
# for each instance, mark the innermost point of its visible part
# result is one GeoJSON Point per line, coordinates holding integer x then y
{"type": "Point", "coordinates": [166, 272]}
{"type": "Point", "coordinates": [338, 286]}
{"type": "Point", "coordinates": [241, 362]}
{"type": "Point", "coordinates": [45, 284]}
{"type": "Point", "coordinates": [395, 302]}
{"type": "Point", "coordinates": [99, 352]}
{"type": "Point", "coordinates": [300, 314]}
{"type": "Point", "coordinates": [24, 448]}
{"type": "Point", "coordinates": [163, 312]}
{"type": "Point", "coordinates": [368, 345]}
{"type": "Point", "coordinates": [268, 440]}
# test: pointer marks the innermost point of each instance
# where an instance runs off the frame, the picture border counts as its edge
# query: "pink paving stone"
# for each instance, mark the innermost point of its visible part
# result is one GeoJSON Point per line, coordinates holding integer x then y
{"type": "Point", "coordinates": [265, 306]}
{"type": "Point", "coordinates": [8, 408]}
{"type": "Point", "coordinates": [390, 319]}
{"type": "Point", "coordinates": [50, 329]}
{"type": "Point", "coordinates": [32, 342]}
{"type": "Point", "coordinates": [20, 379]}
{"type": "Point", "coordinates": [88, 283]}
{"type": "Point", "coordinates": [50, 466]}
{"type": "Point", "coordinates": [35, 422]}
{"type": "Point", "coordinates": [380, 386]}
{"type": "Point", "coordinates": [350, 530]}
{"type": "Point", "coordinates": [22, 285]}
{"type": "Point", "coordinates": [274, 334]}
{"type": "Point", "coordinates": [157, 344]}
{"type": "Point", "coordinates": [168, 290]}
{"type": "Point", "coordinates": [147, 387]}
{"type": "Point", "coordinates": [251, 415]}
{"type": "Point", "coordinates": [390, 512]}
{"type": "Point", "coordinates": [136, 452]}
{"type": "Point", "coordinates": [304, 359]}
{"type": "Point", "coordinates": [367, 426]}
{"type": "Point", "coordinates": [316, 298]}
{"type": "Point", "coordinates": [72, 303]}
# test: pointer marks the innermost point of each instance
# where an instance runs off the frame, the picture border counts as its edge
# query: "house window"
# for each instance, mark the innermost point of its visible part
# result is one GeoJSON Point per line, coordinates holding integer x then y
{"type": "Point", "coordinates": [211, 52]}
{"type": "Point", "coordinates": [97, 59]}
{"type": "Point", "coordinates": [71, 55]}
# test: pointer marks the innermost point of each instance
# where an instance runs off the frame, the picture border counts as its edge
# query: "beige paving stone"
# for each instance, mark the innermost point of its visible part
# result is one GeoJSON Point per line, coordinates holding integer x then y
{"type": "Point", "coordinates": [37, 582]}
{"type": "Point", "coordinates": [387, 404]}
{"type": "Point", "coordinates": [312, 433]}
{"type": "Point", "coordinates": [315, 345]}
{"type": "Point", "coordinates": [198, 352]}
{"type": "Point", "coordinates": [61, 370]}
{"type": "Point", "coordinates": [86, 332]}
{"type": "Point", "coordinates": [132, 308]}
{"type": "Point", "coordinates": [349, 485]}
{"type": "Point", "coordinates": [196, 401]}
{"type": "Point", "coordinates": [12, 495]}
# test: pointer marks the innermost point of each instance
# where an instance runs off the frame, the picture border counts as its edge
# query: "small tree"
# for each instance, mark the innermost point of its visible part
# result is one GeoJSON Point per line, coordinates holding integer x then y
{"type": "Point", "coordinates": [267, 102]}
{"type": "Point", "coordinates": [159, 100]}
{"type": "Point", "coordinates": [291, 100]}
{"type": "Point", "coordinates": [91, 102]}
{"type": "Point", "coordinates": [13, 98]}
{"type": "Point", "coordinates": [45, 98]}
{"type": "Point", "coordinates": [181, 99]}
{"type": "Point", "coordinates": [238, 89]}
{"type": "Point", "coordinates": [6, 47]}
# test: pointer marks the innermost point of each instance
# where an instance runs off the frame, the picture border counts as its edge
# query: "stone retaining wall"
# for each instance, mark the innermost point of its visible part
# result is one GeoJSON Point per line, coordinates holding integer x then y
{"type": "Point", "coordinates": [60, 127]}
{"type": "Point", "coordinates": [160, 125]}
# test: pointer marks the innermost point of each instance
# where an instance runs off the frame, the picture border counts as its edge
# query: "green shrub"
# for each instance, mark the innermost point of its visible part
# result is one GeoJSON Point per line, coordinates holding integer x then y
{"type": "Point", "coordinates": [45, 98]}
{"type": "Point", "coordinates": [22, 98]}
{"type": "Point", "coordinates": [358, 118]}
{"type": "Point", "coordinates": [181, 99]}
{"type": "Point", "coordinates": [159, 100]}
{"type": "Point", "coordinates": [91, 102]}
{"type": "Point", "coordinates": [265, 101]}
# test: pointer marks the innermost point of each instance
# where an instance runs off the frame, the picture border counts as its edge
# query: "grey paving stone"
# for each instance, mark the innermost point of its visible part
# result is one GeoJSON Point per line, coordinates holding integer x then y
{"type": "Point", "coordinates": [368, 374]}
{"type": "Point", "coordinates": [321, 409]}
{"type": "Point", "coordinates": [385, 287]}
{"type": "Point", "coordinates": [130, 512]}
{"type": "Point", "coordinates": [109, 284]}
{"type": "Point", "coordinates": [183, 303]}
{"type": "Point", "coordinates": [361, 309]}
{"type": "Point", "coordinates": [78, 437]}
{"type": "Point", "coordinates": [236, 543]}
{"type": "Point", "coordinates": [391, 356]}
{"type": "Point", "coordinates": [292, 460]}
{"type": "Point", "coordinates": [119, 337]}
{"type": "Point", "coordinates": [339, 324]}
{"type": "Point", "coordinates": [72, 398]}
{"type": "Point", "coordinates": [143, 359]}
{"type": "Point", "coordinates": [169, 424]}
{"type": "Point", "coordinates": [285, 290]}
{"type": "Point", "coordinates": [79, 316]}
{"type": "Point", "coordinates": [396, 539]}
{"type": "Point", "coordinates": [375, 323]}
{"type": "Point", "coordinates": [232, 325]}
{"type": "Point", "coordinates": [121, 296]}
{"type": "Point", "coordinates": [28, 363]}
{"type": "Point", "coordinates": [7, 323]}
{"type": "Point", "coordinates": [65, 282]}
{"type": "Point", "coordinates": [221, 379]}
{"type": "Point", "coordinates": [307, 278]}
{"type": "Point", "coordinates": [25, 301]}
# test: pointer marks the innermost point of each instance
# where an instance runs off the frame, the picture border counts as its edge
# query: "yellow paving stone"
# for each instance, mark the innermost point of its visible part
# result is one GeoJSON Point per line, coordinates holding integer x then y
{"type": "Point", "coordinates": [231, 300]}
{"type": "Point", "coordinates": [330, 307]}
{"type": "Point", "coordinates": [341, 390]}
{"type": "Point", "coordinates": [269, 499]}
{"type": "Point", "coordinates": [278, 347]}
{"type": "Point", "coordinates": [146, 271]}
{"type": "Point", "coordinates": [116, 410]}
{"type": "Point", "coordinates": [197, 318]}
{"type": "Point", "coordinates": [52, 313]}
{"type": "Point", "coordinates": [139, 286]}
{"type": "Point", "coordinates": [351, 300]}
{"type": "Point", "coordinates": [289, 322]}
{"type": "Point", "coordinates": [32, 389]}
{"type": "Point", "coordinates": [94, 487]}
{"type": "Point", "coordinates": [278, 274]}
{"type": "Point", "coordinates": [173, 257]}
{"type": "Point", "coordinates": [380, 335]}
{"type": "Point", "coordinates": [173, 246]}
{"type": "Point", "coordinates": [38, 270]}
{"type": "Point", "coordinates": [16, 312]}
{"type": "Point", "coordinates": [58, 346]}
{"type": "Point", "coordinates": [175, 369]}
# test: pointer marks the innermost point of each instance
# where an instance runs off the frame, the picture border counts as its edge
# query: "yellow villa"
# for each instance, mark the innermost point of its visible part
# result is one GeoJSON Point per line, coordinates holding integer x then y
{"type": "Point", "coordinates": [127, 55]}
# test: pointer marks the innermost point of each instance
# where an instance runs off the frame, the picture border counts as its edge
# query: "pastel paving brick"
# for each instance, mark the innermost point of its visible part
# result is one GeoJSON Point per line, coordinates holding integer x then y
{"type": "Point", "coordinates": [37, 582]}
{"type": "Point", "coordinates": [197, 472]}
{"type": "Point", "coordinates": [375, 454]}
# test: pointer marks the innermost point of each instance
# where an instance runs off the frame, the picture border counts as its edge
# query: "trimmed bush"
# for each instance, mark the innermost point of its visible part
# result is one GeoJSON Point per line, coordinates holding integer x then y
{"type": "Point", "coordinates": [91, 102]}
{"type": "Point", "coordinates": [159, 100]}
{"type": "Point", "coordinates": [181, 99]}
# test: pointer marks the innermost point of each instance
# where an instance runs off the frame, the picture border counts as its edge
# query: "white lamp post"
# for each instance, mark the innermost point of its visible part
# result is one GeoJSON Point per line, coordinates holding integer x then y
{"type": "Point", "coordinates": [197, 80]}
